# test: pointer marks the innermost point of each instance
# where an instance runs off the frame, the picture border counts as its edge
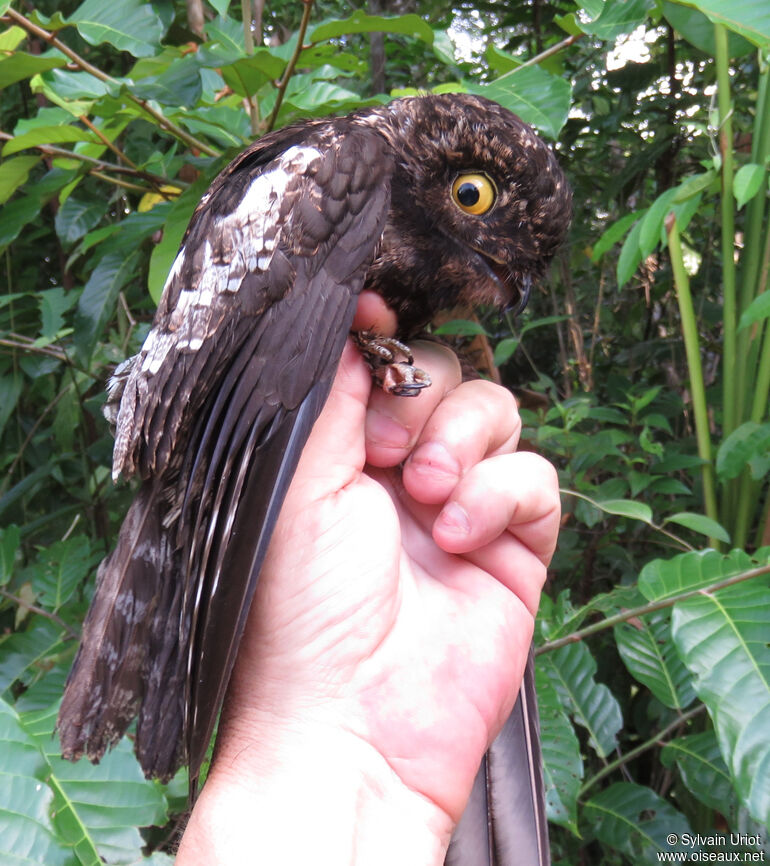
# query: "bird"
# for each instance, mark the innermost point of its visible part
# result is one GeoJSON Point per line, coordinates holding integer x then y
{"type": "Point", "coordinates": [432, 201]}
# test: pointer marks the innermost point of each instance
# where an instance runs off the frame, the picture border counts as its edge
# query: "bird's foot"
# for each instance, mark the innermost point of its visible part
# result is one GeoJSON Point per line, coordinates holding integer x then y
{"type": "Point", "coordinates": [392, 364]}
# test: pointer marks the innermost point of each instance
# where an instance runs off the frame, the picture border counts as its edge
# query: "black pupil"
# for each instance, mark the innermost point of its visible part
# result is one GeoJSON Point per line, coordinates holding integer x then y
{"type": "Point", "coordinates": [467, 194]}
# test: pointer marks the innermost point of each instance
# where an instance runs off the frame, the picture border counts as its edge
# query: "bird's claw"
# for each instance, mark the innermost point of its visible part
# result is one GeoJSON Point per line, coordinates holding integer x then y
{"type": "Point", "coordinates": [398, 377]}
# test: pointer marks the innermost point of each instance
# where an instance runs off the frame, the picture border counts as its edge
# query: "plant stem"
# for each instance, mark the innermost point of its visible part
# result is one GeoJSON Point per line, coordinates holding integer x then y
{"type": "Point", "coordinates": [695, 368]}
{"type": "Point", "coordinates": [82, 63]}
{"type": "Point", "coordinates": [654, 740]}
{"type": "Point", "coordinates": [248, 42]}
{"type": "Point", "coordinates": [289, 71]}
{"type": "Point", "coordinates": [644, 609]}
{"type": "Point", "coordinates": [730, 391]}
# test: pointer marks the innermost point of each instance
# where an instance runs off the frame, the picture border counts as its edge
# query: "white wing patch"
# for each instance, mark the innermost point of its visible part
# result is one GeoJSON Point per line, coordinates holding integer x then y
{"type": "Point", "coordinates": [253, 228]}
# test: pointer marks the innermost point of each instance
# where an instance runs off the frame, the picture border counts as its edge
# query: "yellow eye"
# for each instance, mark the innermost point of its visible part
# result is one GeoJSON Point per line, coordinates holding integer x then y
{"type": "Point", "coordinates": [473, 193]}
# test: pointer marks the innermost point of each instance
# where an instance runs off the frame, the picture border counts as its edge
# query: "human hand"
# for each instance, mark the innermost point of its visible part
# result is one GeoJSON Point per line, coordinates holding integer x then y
{"type": "Point", "coordinates": [395, 609]}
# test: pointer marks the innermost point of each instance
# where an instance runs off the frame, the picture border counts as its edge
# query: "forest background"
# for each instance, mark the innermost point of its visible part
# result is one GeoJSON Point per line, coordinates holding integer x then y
{"type": "Point", "coordinates": [642, 366]}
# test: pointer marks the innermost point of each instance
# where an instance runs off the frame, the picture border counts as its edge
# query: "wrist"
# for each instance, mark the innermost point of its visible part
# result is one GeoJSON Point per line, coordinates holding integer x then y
{"type": "Point", "coordinates": [310, 794]}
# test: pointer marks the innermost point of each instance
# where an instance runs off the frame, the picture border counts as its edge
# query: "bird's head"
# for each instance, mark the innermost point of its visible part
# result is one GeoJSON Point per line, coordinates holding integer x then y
{"type": "Point", "coordinates": [479, 205]}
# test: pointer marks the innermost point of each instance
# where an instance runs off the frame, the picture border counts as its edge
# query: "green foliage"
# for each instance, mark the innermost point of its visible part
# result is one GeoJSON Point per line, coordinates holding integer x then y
{"type": "Point", "coordinates": [653, 660]}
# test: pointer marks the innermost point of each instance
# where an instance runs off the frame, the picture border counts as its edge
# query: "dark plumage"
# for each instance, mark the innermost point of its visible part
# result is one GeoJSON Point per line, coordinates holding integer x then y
{"type": "Point", "coordinates": [213, 412]}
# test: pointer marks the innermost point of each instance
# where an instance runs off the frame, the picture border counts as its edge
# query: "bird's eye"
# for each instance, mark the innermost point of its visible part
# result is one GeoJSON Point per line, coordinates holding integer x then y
{"type": "Point", "coordinates": [473, 193]}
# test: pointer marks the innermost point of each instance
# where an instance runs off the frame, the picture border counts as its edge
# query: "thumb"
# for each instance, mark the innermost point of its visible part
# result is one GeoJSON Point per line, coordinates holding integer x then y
{"type": "Point", "coordinates": [335, 452]}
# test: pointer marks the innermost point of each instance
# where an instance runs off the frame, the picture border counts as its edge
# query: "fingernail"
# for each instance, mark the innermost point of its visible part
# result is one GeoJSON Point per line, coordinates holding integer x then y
{"type": "Point", "coordinates": [432, 459]}
{"type": "Point", "coordinates": [455, 518]}
{"type": "Point", "coordinates": [383, 430]}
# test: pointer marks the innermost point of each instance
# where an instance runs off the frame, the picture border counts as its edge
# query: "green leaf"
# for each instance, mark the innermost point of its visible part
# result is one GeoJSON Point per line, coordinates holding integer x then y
{"type": "Point", "coordinates": [663, 578]}
{"type": "Point", "coordinates": [461, 327]}
{"type": "Point", "coordinates": [62, 566]}
{"type": "Point", "coordinates": [75, 217]}
{"type": "Point", "coordinates": [13, 173]}
{"type": "Point", "coordinates": [723, 639]}
{"type": "Point", "coordinates": [538, 97]}
{"type": "Point", "coordinates": [695, 184]}
{"type": "Point", "coordinates": [630, 255]}
{"type": "Point", "coordinates": [19, 66]}
{"type": "Point", "coordinates": [179, 84]}
{"type": "Point", "coordinates": [97, 303]}
{"type": "Point", "coordinates": [571, 670]}
{"type": "Point", "coordinates": [47, 135]}
{"type": "Point", "coordinates": [54, 303]}
{"type": "Point", "coordinates": [128, 25]}
{"type": "Point", "coordinates": [360, 22]}
{"type": "Point", "coordinates": [699, 31]}
{"type": "Point", "coordinates": [700, 523]}
{"type": "Point", "coordinates": [9, 544]}
{"type": "Point", "coordinates": [613, 234]}
{"type": "Point", "coordinates": [164, 253]}
{"type": "Point", "coordinates": [747, 182]}
{"type": "Point", "coordinates": [650, 656]}
{"type": "Point", "coordinates": [617, 17]}
{"type": "Point", "coordinates": [26, 804]}
{"type": "Point", "coordinates": [24, 651]}
{"type": "Point", "coordinates": [11, 38]}
{"type": "Point", "coordinates": [701, 767]}
{"type": "Point", "coordinates": [747, 446]}
{"type": "Point", "coordinates": [652, 223]}
{"type": "Point", "coordinates": [627, 508]}
{"type": "Point", "coordinates": [246, 75]}
{"type": "Point", "coordinates": [221, 6]}
{"type": "Point", "coordinates": [562, 763]}
{"type": "Point", "coordinates": [749, 18]}
{"type": "Point", "coordinates": [636, 821]}
{"type": "Point", "coordinates": [756, 311]}
{"type": "Point", "coordinates": [505, 350]}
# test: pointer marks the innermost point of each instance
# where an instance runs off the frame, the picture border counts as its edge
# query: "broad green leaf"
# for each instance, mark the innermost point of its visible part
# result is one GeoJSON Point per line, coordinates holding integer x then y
{"type": "Point", "coordinates": [571, 670]}
{"type": "Point", "coordinates": [699, 31]}
{"type": "Point", "coordinates": [461, 327]}
{"type": "Point", "coordinates": [26, 803]}
{"type": "Point", "coordinates": [164, 253]}
{"type": "Point", "coordinates": [128, 25]}
{"type": "Point", "coordinates": [695, 184]}
{"type": "Point", "coordinates": [617, 18]}
{"type": "Point", "coordinates": [663, 578]}
{"type": "Point", "coordinates": [75, 217]}
{"type": "Point", "coordinates": [9, 544]}
{"type": "Point", "coordinates": [562, 763]}
{"type": "Point", "coordinates": [47, 135]}
{"type": "Point", "coordinates": [627, 508]}
{"type": "Point", "coordinates": [747, 446]}
{"type": "Point", "coordinates": [652, 223]}
{"type": "Point", "coordinates": [748, 18]}
{"type": "Point", "coordinates": [360, 22]}
{"type": "Point", "coordinates": [246, 75]}
{"type": "Point", "coordinates": [649, 654]}
{"type": "Point", "coordinates": [13, 173]}
{"type": "Point", "coordinates": [636, 821]}
{"type": "Point", "coordinates": [505, 350]}
{"type": "Point", "coordinates": [11, 38]}
{"type": "Point", "coordinates": [756, 311]}
{"type": "Point", "coordinates": [10, 391]}
{"type": "Point", "coordinates": [701, 767]}
{"type": "Point", "coordinates": [74, 91]}
{"type": "Point", "coordinates": [700, 523]}
{"type": "Point", "coordinates": [179, 84]}
{"type": "Point", "coordinates": [97, 303]}
{"type": "Point", "coordinates": [613, 234]}
{"type": "Point", "coordinates": [24, 651]}
{"type": "Point", "coordinates": [747, 181]}
{"type": "Point", "coordinates": [221, 6]}
{"type": "Point", "coordinates": [18, 66]}
{"type": "Point", "coordinates": [630, 256]}
{"type": "Point", "coordinates": [61, 567]}
{"type": "Point", "coordinates": [95, 810]}
{"type": "Point", "coordinates": [723, 639]}
{"type": "Point", "coordinates": [537, 96]}
{"type": "Point", "coordinates": [54, 303]}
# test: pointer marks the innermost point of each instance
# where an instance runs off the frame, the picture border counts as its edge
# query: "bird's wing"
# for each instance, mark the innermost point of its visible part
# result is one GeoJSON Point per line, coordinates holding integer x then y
{"type": "Point", "coordinates": [504, 823]}
{"type": "Point", "coordinates": [214, 412]}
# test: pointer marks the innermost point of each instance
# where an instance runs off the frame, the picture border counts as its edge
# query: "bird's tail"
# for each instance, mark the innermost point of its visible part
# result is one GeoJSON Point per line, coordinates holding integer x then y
{"type": "Point", "coordinates": [129, 648]}
{"type": "Point", "coordinates": [504, 823]}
